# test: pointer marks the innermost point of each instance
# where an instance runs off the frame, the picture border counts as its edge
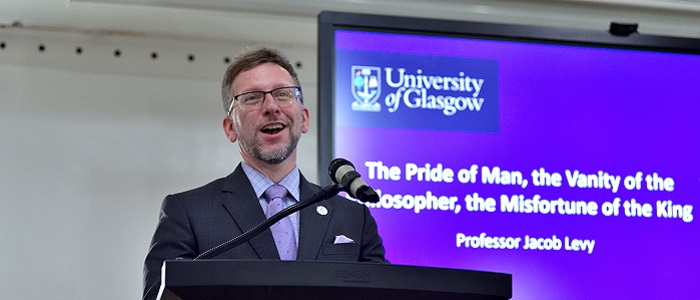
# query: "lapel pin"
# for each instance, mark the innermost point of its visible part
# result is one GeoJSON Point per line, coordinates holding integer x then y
{"type": "Point", "coordinates": [321, 210]}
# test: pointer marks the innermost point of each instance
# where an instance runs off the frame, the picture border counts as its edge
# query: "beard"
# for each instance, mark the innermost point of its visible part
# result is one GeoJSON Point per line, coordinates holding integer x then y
{"type": "Point", "coordinates": [270, 156]}
{"type": "Point", "coordinates": [274, 156]}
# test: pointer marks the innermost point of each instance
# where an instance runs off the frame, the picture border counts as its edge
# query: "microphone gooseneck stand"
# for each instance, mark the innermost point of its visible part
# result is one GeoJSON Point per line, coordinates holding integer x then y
{"type": "Point", "coordinates": [325, 193]}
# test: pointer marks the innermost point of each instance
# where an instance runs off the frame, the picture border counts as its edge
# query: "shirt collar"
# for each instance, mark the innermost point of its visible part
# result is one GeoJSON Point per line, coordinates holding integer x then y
{"type": "Point", "coordinates": [260, 182]}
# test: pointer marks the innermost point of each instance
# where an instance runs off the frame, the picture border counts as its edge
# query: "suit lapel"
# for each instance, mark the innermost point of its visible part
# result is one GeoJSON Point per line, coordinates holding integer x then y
{"type": "Point", "coordinates": [242, 204]}
{"type": "Point", "coordinates": [312, 225]}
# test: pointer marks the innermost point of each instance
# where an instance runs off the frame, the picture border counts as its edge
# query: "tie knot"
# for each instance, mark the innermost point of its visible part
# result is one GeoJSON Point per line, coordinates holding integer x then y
{"type": "Point", "coordinates": [274, 192]}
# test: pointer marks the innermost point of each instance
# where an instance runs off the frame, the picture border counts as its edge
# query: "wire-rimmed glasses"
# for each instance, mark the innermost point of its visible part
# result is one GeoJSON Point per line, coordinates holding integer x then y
{"type": "Point", "coordinates": [284, 96]}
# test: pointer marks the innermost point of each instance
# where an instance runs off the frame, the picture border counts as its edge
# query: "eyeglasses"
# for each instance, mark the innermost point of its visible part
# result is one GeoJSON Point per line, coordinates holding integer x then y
{"type": "Point", "coordinates": [284, 96]}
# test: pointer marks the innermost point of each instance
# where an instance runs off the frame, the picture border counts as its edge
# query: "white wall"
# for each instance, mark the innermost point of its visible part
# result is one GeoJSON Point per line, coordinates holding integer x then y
{"type": "Point", "coordinates": [91, 143]}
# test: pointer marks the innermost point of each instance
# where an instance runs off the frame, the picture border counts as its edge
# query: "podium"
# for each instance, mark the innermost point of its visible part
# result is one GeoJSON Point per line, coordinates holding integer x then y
{"type": "Point", "coordinates": [260, 279]}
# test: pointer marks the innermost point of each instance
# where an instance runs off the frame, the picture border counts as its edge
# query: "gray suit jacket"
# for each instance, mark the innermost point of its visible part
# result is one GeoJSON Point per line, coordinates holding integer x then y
{"type": "Point", "coordinates": [197, 220]}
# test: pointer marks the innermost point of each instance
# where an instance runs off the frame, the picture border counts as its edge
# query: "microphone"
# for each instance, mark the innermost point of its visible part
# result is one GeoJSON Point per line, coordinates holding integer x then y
{"type": "Point", "coordinates": [343, 172]}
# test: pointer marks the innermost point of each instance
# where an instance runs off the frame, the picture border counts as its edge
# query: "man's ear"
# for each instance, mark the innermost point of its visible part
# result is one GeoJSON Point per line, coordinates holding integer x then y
{"type": "Point", "coordinates": [229, 131]}
{"type": "Point", "coordinates": [305, 122]}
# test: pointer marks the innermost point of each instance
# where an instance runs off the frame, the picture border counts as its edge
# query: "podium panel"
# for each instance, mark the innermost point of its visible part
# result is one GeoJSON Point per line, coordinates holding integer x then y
{"type": "Point", "coordinates": [256, 279]}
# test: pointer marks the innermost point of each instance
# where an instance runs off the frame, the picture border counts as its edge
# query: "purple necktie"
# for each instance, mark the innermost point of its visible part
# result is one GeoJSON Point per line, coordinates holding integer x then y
{"type": "Point", "coordinates": [282, 231]}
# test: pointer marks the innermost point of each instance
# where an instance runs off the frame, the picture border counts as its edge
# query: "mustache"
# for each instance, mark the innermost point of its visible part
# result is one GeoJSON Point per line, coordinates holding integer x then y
{"type": "Point", "coordinates": [260, 124]}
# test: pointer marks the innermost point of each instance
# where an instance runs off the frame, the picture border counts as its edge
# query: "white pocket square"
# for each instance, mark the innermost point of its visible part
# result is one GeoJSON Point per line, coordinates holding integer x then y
{"type": "Point", "coordinates": [341, 239]}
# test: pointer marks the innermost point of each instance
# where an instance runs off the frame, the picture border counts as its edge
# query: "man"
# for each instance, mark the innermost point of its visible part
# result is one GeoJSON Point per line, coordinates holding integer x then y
{"type": "Point", "coordinates": [266, 116]}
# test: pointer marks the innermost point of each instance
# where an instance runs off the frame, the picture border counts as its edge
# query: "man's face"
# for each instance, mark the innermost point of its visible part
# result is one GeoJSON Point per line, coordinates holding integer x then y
{"type": "Point", "coordinates": [270, 133]}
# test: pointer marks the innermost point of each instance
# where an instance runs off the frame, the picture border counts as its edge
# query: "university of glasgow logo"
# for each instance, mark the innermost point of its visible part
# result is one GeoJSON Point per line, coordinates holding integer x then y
{"type": "Point", "coordinates": [366, 86]}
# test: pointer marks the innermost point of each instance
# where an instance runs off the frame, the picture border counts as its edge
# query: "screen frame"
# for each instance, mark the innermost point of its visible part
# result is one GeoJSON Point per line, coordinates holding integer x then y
{"type": "Point", "coordinates": [329, 22]}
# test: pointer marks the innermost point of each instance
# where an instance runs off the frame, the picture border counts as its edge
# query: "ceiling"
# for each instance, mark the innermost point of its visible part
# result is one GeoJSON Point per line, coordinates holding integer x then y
{"type": "Point", "coordinates": [294, 22]}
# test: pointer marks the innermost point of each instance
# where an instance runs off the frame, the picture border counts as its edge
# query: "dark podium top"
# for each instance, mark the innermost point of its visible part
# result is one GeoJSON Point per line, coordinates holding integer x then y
{"type": "Point", "coordinates": [256, 279]}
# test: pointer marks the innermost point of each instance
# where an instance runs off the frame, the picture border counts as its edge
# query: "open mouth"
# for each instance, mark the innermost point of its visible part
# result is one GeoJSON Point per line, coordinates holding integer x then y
{"type": "Point", "coordinates": [272, 129]}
